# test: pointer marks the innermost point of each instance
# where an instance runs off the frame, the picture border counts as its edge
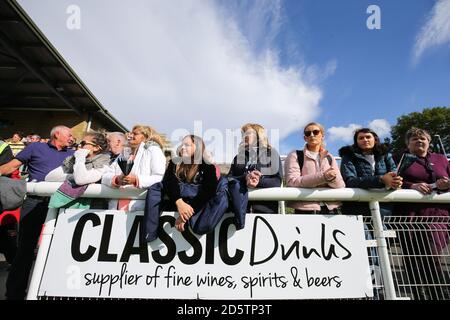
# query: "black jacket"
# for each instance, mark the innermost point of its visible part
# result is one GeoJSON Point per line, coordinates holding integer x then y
{"type": "Point", "coordinates": [206, 178]}
{"type": "Point", "coordinates": [268, 162]}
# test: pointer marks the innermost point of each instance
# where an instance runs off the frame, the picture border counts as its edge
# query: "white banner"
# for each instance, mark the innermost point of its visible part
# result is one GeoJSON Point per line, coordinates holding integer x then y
{"type": "Point", "coordinates": [96, 253]}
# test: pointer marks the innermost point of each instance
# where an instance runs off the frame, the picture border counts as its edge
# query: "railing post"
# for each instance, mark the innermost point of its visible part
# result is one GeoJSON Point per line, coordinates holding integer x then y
{"type": "Point", "coordinates": [386, 271]}
{"type": "Point", "coordinates": [282, 206]}
{"type": "Point", "coordinates": [44, 247]}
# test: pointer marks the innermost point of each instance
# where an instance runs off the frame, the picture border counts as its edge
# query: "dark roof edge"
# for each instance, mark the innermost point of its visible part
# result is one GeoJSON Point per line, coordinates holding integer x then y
{"type": "Point", "coordinates": [29, 22]}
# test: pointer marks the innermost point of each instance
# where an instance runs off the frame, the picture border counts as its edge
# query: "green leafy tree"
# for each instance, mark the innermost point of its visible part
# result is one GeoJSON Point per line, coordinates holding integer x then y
{"type": "Point", "coordinates": [435, 120]}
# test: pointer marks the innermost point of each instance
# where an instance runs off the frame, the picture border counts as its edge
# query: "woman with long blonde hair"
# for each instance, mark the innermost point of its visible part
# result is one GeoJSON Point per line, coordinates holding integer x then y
{"type": "Point", "coordinates": [313, 167]}
{"type": "Point", "coordinates": [257, 165]}
{"type": "Point", "coordinates": [149, 164]}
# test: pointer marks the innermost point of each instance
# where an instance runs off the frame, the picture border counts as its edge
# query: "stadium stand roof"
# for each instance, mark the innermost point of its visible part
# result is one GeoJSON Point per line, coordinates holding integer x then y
{"type": "Point", "coordinates": [35, 77]}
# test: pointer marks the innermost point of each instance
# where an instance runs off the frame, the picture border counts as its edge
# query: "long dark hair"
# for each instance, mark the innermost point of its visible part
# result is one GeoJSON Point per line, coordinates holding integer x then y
{"type": "Point", "coordinates": [378, 149]}
{"type": "Point", "coordinates": [187, 171]}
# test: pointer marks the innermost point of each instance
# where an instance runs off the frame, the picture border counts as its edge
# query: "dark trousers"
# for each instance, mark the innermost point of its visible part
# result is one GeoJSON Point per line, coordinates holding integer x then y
{"type": "Point", "coordinates": [238, 196]}
{"type": "Point", "coordinates": [33, 213]}
{"type": "Point", "coordinates": [201, 222]}
{"type": "Point", "coordinates": [7, 243]}
{"type": "Point", "coordinates": [263, 207]}
{"type": "Point", "coordinates": [240, 205]}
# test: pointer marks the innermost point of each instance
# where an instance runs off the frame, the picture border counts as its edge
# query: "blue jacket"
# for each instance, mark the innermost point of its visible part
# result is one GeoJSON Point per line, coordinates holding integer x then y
{"type": "Point", "coordinates": [357, 173]}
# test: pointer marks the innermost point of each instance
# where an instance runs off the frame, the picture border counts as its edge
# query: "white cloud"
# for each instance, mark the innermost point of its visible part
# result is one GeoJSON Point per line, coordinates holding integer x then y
{"type": "Point", "coordinates": [436, 31]}
{"type": "Point", "coordinates": [318, 74]}
{"type": "Point", "coordinates": [259, 21]}
{"type": "Point", "coordinates": [380, 126]}
{"type": "Point", "coordinates": [342, 133]}
{"type": "Point", "coordinates": [168, 65]}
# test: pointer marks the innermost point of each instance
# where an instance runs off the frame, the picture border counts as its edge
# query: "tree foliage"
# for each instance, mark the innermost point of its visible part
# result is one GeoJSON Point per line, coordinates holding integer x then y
{"type": "Point", "coordinates": [435, 120]}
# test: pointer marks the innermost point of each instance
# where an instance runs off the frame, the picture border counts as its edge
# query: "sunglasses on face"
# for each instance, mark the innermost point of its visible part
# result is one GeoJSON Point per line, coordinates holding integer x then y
{"type": "Point", "coordinates": [314, 132]}
{"type": "Point", "coordinates": [83, 143]}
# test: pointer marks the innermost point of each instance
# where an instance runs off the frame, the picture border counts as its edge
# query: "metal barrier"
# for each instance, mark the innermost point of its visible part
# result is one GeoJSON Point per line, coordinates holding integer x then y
{"type": "Point", "coordinates": [402, 250]}
{"type": "Point", "coordinates": [418, 273]}
{"type": "Point", "coordinates": [420, 257]}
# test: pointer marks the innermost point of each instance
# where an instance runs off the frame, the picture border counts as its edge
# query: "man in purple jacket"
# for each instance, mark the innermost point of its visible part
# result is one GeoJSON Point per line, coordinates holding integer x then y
{"type": "Point", "coordinates": [40, 158]}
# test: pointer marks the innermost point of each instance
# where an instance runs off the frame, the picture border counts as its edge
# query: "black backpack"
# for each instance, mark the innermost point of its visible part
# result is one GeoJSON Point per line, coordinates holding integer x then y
{"type": "Point", "coordinates": [300, 158]}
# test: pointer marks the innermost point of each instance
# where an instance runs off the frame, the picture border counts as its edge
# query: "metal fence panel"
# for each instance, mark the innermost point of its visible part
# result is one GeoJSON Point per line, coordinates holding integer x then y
{"type": "Point", "coordinates": [420, 257]}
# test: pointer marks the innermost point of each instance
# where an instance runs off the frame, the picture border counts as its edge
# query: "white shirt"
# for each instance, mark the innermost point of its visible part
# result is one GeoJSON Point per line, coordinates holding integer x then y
{"type": "Point", "coordinates": [149, 166]}
{"type": "Point", "coordinates": [81, 174]}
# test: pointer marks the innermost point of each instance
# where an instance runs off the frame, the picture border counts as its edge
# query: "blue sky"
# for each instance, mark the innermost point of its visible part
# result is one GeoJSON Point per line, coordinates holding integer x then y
{"type": "Point", "coordinates": [279, 63]}
{"type": "Point", "coordinates": [376, 76]}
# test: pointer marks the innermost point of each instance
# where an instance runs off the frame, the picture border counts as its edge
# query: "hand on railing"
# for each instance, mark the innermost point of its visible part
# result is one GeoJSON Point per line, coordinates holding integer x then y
{"type": "Point", "coordinates": [129, 179]}
{"type": "Point", "coordinates": [392, 181]}
{"type": "Point", "coordinates": [443, 183]}
{"type": "Point", "coordinates": [422, 187]}
{"type": "Point", "coordinates": [330, 174]}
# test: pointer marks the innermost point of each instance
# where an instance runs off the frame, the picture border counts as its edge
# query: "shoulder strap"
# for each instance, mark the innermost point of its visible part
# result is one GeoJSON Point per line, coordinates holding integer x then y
{"type": "Point", "coordinates": [330, 160]}
{"type": "Point", "coordinates": [300, 158]}
{"type": "Point", "coordinates": [407, 161]}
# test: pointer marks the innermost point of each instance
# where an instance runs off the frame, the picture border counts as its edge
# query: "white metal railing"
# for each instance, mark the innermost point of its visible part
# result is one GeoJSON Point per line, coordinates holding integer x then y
{"type": "Point", "coordinates": [267, 194]}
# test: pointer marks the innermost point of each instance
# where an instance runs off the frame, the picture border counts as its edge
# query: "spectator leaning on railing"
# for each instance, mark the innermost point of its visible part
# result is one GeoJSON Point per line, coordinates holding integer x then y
{"type": "Point", "coordinates": [313, 167]}
{"type": "Point", "coordinates": [257, 165]}
{"type": "Point", "coordinates": [425, 172]}
{"type": "Point", "coordinates": [148, 166]}
{"type": "Point", "coordinates": [86, 166]}
{"type": "Point", "coordinates": [193, 189]}
{"type": "Point", "coordinates": [41, 158]}
{"type": "Point", "coordinates": [368, 164]}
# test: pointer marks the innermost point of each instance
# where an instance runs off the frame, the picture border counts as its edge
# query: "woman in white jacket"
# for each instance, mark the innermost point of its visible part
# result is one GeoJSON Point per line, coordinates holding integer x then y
{"type": "Point", "coordinates": [86, 166]}
{"type": "Point", "coordinates": [149, 164]}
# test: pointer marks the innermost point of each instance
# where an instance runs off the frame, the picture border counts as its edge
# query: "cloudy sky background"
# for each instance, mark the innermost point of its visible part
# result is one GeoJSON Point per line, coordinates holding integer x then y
{"type": "Point", "coordinates": [212, 66]}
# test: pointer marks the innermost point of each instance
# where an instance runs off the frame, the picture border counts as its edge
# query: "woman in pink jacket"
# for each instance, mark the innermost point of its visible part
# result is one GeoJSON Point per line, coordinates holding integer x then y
{"type": "Point", "coordinates": [313, 167]}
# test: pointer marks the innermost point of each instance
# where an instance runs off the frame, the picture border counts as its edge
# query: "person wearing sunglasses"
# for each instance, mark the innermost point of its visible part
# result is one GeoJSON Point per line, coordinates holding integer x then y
{"type": "Point", "coordinates": [257, 165]}
{"type": "Point", "coordinates": [313, 167]}
{"type": "Point", "coordinates": [148, 166]}
{"type": "Point", "coordinates": [86, 166]}
{"type": "Point", "coordinates": [425, 172]}
{"type": "Point", "coordinates": [367, 164]}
